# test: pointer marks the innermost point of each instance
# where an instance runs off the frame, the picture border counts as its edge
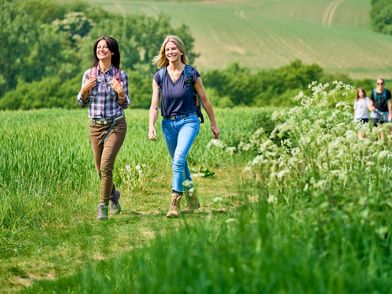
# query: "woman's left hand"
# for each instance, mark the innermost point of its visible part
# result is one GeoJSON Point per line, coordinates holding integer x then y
{"type": "Point", "coordinates": [215, 131]}
{"type": "Point", "coordinates": [116, 86]}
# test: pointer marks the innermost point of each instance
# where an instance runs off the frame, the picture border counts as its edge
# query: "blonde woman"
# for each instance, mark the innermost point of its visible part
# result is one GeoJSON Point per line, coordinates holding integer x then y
{"type": "Point", "coordinates": [175, 87]}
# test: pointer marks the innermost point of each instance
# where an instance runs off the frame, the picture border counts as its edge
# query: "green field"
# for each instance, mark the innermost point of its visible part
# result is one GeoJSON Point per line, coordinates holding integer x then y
{"type": "Point", "coordinates": [335, 34]}
{"type": "Point", "coordinates": [49, 190]}
{"type": "Point", "coordinates": [298, 204]}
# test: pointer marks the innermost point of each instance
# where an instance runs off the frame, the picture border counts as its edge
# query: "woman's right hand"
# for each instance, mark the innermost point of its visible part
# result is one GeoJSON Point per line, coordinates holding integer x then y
{"type": "Point", "coordinates": [90, 84]}
{"type": "Point", "coordinates": [152, 135]}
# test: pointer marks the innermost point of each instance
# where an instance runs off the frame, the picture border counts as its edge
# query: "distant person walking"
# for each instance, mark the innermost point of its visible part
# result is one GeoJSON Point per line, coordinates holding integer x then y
{"type": "Point", "coordinates": [105, 91]}
{"type": "Point", "coordinates": [177, 84]}
{"type": "Point", "coordinates": [362, 105]}
{"type": "Point", "coordinates": [381, 104]}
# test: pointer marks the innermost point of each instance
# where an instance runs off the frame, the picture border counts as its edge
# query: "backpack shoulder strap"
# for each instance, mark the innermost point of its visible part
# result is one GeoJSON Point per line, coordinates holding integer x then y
{"type": "Point", "coordinates": [189, 80]}
{"type": "Point", "coordinates": [117, 72]}
{"type": "Point", "coordinates": [95, 69]}
{"type": "Point", "coordinates": [187, 72]}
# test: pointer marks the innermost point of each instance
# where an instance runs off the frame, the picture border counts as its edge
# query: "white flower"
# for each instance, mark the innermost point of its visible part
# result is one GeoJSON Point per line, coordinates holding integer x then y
{"type": "Point", "coordinates": [272, 199]}
{"type": "Point", "coordinates": [384, 154]}
{"type": "Point", "coordinates": [128, 168]}
{"type": "Point", "coordinates": [230, 150]}
{"type": "Point", "coordinates": [216, 143]}
{"type": "Point", "coordinates": [247, 169]}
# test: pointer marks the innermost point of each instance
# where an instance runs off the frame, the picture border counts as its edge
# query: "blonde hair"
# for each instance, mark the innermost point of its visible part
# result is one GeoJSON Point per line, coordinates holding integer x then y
{"type": "Point", "coordinates": [160, 60]}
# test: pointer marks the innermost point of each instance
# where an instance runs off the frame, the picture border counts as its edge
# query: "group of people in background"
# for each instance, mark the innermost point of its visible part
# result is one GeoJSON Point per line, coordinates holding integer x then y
{"type": "Point", "coordinates": [376, 109]}
{"type": "Point", "coordinates": [177, 89]}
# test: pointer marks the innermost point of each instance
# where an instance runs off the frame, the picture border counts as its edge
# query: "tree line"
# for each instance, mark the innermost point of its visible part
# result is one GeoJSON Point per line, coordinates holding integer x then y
{"type": "Point", "coordinates": [47, 46]}
{"type": "Point", "coordinates": [381, 16]}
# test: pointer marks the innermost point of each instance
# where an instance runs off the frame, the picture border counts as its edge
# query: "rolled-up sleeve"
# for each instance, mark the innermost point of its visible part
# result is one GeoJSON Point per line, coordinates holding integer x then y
{"type": "Point", "coordinates": [80, 100]}
{"type": "Point", "coordinates": [124, 80]}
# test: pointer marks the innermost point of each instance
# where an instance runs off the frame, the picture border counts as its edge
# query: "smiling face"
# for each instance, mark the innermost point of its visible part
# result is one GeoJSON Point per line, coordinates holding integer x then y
{"type": "Point", "coordinates": [102, 51]}
{"type": "Point", "coordinates": [172, 53]}
{"type": "Point", "coordinates": [380, 85]}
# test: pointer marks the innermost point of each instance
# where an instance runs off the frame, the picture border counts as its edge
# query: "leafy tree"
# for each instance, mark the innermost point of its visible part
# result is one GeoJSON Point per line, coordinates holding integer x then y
{"type": "Point", "coordinates": [381, 16]}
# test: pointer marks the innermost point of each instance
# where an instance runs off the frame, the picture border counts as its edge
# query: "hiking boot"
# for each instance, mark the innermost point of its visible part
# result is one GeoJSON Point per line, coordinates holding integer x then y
{"type": "Point", "coordinates": [115, 207]}
{"type": "Point", "coordinates": [192, 202]}
{"type": "Point", "coordinates": [102, 211]}
{"type": "Point", "coordinates": [174, 210]}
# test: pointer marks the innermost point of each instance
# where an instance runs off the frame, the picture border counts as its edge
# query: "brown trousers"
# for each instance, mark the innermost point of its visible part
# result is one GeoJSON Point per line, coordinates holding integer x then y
{"type": "Point", "coordinates": [105, 154]}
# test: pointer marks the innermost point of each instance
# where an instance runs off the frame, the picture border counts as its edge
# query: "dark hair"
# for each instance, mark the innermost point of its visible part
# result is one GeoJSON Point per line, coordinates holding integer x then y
{"type": "Point", "coordinates": [113, 47]}
{"type": "Point", "coordinates": [363, 90]}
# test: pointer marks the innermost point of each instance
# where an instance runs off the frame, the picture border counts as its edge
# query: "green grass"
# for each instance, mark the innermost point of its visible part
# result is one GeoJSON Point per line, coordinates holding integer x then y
{"type": "Point", "coordinates": [269, 34]}
{"type": "Point", "coordinates": [313, 215]}
{"type": "Point", "coordinates": [49, 190]}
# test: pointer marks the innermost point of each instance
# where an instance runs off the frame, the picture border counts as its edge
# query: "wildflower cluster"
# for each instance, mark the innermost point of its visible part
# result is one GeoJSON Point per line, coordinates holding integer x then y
{"type": "Point", "coordinates": [132, 176]}
{"type": "Point", "coordinates": [314, 153]}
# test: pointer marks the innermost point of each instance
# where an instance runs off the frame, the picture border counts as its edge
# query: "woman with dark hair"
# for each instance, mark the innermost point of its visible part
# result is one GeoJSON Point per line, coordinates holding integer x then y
{"type": "Point", "coordinates": [178, 84]}
{"type": "Point", "coordinates": [362, 106]}
{"type": "Point", "coordinates": [105, 90]}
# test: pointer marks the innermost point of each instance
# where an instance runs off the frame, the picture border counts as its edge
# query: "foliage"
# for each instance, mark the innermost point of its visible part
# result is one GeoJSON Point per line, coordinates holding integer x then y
{"type": "Point", "coordinates": [240, 86]}
{"type": "Point", "coordinates": [56, 49]}
{"type": "Point", "coordinates": [381, 16]}
{"type": "Point", "coordinates": [43, 40]}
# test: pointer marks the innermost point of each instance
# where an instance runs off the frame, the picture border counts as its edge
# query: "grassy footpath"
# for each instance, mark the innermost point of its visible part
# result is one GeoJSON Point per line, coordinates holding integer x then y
{"type": "Point", "coordinates": [50, 190]}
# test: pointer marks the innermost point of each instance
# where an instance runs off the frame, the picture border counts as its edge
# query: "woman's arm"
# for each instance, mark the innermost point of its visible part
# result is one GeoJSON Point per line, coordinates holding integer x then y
{"type": "Point", "coordinates": [207, 106]}
{"type": "Point", "coordinates": [153, 113]}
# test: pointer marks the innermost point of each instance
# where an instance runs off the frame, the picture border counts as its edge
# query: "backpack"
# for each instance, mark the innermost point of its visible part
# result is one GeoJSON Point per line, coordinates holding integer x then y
{"type": "Point", "coordinates": [189, 82]}
{"type": "Point", "coordinates": [379, 95]}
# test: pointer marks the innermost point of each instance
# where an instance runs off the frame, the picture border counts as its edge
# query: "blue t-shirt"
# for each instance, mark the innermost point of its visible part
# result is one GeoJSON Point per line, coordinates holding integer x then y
{"type": "Point", "coordinates": [177, 97]}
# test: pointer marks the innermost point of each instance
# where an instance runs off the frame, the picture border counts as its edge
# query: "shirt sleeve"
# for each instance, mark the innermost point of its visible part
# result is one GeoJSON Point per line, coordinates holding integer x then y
{"type": "Point", "coordinates": [124, 80]}
{"type": "Point", "coordinates": [388, 95]}
{"type": "Point", "coordinates": [156, 77]}
{"type": "Point", "coordinates": [80, 100]}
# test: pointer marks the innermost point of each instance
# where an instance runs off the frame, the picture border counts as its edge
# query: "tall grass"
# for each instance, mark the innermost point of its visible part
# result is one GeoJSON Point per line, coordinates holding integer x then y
{"type": "Point", "coordinates": [318, 217]}
{"type": "Point", "coordinates": [47, 173]}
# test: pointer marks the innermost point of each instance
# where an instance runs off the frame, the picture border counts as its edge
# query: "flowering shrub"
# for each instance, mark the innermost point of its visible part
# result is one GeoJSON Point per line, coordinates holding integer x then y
{"type": "Point", "coordinates": [314, 156]}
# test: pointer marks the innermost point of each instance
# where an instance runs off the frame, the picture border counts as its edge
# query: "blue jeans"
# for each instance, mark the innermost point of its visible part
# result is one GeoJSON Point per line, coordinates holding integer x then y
{"type": "Point", "coordinates": [179, 134]}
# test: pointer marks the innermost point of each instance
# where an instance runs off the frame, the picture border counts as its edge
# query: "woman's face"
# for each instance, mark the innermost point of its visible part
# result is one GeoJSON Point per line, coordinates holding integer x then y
{"type": "Point", "coordinates": [103, 52]}
{"type": "Point", "coordinates": [172, 53]}
{"type": "Point", "coordinates": [361, 94]}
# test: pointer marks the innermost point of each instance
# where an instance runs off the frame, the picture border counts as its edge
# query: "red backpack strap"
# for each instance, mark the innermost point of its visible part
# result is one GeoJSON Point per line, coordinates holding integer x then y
{"type": "Point", "coordinates": [117, 72]}
{"type": "Point", "coordinates": [95, 71]}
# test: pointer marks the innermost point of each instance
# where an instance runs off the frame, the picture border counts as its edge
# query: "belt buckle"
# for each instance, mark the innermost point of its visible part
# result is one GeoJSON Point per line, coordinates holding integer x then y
{"type": "Point", "coordinates": [101, 122]}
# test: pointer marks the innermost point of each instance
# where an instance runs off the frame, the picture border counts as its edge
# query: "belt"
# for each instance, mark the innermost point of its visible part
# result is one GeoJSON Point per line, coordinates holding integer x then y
{"type": "Point", "coordinates": [179, 116]}
{"type": "Point", "coordinates": [104, 121]}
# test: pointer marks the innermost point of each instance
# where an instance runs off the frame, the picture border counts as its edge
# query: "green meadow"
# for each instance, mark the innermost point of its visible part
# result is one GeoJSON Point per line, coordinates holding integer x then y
{"type": "Point", "coordinates": [49, 190]}
{"type": "Point", "coordinates": [267, 34]}
{"type": "Point", "coordinates": [292, 202]}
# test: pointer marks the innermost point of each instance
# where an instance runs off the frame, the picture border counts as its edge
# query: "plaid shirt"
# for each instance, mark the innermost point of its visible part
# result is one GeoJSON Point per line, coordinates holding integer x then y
{"type": "Point", "coordinates": [102, 98]}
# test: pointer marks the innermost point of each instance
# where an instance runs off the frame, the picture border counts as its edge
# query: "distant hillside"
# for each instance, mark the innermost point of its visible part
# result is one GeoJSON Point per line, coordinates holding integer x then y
{"type": "Point", "coordinates": [335, 34]}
